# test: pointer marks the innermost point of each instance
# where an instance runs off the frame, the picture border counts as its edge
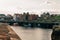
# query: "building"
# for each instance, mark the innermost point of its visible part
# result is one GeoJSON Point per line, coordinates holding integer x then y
{"type": "Point", "coordinates": [18, 17]}
{"type": "Point", "coordinates": [45, 15]}
{"type": "Point", "coordinates": [9, 17]}
{"type": "Point", "coordinates": [25, 16]}
{"type": "Point", "coordinates": [2, 17]}
{"type": "Point", "coordinates": [32, 17]}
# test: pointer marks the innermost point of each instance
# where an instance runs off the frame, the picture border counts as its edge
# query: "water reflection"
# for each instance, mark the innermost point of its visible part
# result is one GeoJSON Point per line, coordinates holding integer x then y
{"type": "Point", "coordinates": [33, 34]}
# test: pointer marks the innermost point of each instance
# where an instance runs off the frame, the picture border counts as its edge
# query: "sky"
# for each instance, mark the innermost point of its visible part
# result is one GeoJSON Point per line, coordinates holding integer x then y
{"type": "Point", "coordinates": [32, 6]}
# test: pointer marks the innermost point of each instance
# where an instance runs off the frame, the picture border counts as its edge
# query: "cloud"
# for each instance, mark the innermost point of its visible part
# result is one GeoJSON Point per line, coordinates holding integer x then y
{"type": "Point", "coordinates": [29, 5]}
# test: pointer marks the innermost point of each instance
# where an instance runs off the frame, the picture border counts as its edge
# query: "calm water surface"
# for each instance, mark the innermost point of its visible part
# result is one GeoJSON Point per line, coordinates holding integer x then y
{"type": "Point", "coordinates": [33, 34]}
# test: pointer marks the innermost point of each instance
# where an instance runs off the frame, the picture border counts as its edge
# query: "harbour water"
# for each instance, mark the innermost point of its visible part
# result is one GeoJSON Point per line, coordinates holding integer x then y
{"type": "Point", "coordinates": [32, 33]}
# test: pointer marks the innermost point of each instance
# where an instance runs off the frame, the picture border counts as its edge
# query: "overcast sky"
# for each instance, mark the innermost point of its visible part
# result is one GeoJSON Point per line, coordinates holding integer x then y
{"type": "Point", "coordinates": [14, 6]}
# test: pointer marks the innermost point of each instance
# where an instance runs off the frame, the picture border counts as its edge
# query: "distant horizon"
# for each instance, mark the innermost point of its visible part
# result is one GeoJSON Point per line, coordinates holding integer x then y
{"type": "Point", "coordinates": [38, 13]}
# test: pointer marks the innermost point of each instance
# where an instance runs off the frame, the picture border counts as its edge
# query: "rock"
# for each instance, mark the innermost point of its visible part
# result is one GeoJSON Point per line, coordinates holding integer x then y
{"type": "Point", "coordinates": [56, 33]}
